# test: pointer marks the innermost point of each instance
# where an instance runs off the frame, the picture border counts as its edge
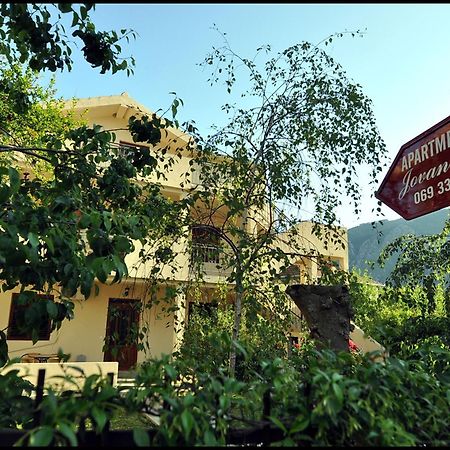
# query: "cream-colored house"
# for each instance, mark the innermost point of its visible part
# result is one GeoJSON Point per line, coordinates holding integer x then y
{"type": "Point", "coordinates": [116, 307]}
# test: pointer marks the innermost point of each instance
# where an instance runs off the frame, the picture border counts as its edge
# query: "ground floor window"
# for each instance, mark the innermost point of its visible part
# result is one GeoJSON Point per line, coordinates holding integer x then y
{"type": "Point", "coordinates": [17, 325]}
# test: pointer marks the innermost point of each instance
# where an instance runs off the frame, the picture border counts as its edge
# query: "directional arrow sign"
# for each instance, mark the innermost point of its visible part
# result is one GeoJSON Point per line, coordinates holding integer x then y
{"type": "Point", "coordinates": [418, 182]}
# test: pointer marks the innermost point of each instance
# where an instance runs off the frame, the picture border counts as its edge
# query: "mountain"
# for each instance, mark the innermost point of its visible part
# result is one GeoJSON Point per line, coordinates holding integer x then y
{"type": "Point", "coordinates": [366, 245]}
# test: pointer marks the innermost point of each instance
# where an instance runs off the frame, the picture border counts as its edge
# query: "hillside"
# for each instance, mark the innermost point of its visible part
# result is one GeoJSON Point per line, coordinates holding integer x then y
{"type": "Point", "coordinates": [365, 246]}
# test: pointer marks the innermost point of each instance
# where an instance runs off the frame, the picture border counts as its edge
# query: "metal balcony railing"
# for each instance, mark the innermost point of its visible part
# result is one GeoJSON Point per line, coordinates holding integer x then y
{"type": "Point", "coordinates": [205, 253]}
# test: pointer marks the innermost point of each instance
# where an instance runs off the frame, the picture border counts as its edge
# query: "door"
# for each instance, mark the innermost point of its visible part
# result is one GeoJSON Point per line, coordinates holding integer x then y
{"type": "Point", "coordinates": [122, 329]}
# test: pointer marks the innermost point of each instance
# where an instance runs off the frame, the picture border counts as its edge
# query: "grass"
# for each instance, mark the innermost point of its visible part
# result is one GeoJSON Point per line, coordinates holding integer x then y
{"type": "Point", "coordinates": [124, 420]}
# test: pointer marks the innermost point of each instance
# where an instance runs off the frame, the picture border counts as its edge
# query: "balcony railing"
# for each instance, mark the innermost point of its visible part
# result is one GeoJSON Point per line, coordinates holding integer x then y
{"type": "Point", "coordinates": [204, 253]}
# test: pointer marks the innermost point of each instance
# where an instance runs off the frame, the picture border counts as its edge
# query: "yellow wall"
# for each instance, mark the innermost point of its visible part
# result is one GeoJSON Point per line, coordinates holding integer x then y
{"type": "Point", "coordinates": [113, 112]}
{"type": "Point", "coordinates": [85, 334]}
{"type": "Point", "coordinates": [310, 242]}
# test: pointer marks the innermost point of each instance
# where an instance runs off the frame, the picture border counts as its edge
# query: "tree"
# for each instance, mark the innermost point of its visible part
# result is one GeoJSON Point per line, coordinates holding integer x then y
{"type": "Point", "coordinates": [423, 261]}
{"type": "Point", "coordinates": [36, 34]}
{"type": "Point", "coordinates": [28, 111]}
{"type": "Point", "coordinates": [303, 131]}
{"type": "Point", "coordinates": [420, 282]}
{"type": "Point", "coordinates": [71, 201]}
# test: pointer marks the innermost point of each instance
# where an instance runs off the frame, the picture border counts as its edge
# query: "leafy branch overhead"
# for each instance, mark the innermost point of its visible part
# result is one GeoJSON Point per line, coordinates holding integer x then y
{"type": "Point", "coordinates": [73, 203]}
{"type": "Point", "coordinates": [306, 126]}
{"type": "Point", "coordinates": [36, 34]}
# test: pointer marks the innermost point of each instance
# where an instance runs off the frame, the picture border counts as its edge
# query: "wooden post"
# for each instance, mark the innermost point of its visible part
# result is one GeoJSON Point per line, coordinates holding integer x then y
{"type": "Point", "coordinates": [106, 428]}
{"type": "Point", "coordinates": [267, 404]}
{"type": "Point", "coordinates": [39, 397]}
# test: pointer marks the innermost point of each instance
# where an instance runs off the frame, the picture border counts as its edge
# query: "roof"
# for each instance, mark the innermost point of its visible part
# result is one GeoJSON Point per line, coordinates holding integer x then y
{"type": "Point", "coordinates": [121, 106]}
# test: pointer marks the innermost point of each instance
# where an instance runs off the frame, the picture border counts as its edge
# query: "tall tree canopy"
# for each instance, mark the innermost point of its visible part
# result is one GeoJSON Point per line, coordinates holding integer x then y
{"type": "Point", "coordinates": [299, 129]}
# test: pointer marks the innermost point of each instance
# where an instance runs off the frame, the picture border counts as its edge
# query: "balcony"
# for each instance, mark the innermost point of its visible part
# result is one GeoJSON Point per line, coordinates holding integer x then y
{"type": "Point", "coordinates": [206, 253]}
{"type": "Point", "coordinates": [210, 259]}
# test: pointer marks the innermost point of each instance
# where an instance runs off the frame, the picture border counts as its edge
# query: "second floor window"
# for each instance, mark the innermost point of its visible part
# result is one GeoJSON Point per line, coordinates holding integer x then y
{"type": "Point", "coordinates": [205, 246]}
{"type": "Point", "coordinates": [291, 274]}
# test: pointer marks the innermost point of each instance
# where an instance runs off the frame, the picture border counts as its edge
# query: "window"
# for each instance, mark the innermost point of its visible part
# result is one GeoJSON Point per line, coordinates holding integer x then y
{"type": "Point", "coordinates": [202, 310]}
{"type": "Point", "coordinates": [139, 155]}
{"type": "Point", "coordinates": [17, 327]}
{"type": "Point", "coordinates": [328, 266]}
{"type": "Point", "coordinates": [291, 274]}
{"type": "Point", "coordinates": [127, 149]}
{"type": "Point", "coordinates": [205, 246]}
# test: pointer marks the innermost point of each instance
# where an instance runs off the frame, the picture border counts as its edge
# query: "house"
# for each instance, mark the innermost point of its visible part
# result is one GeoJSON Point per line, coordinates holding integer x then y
{"type": "Point", "coordinates": [118, 309]}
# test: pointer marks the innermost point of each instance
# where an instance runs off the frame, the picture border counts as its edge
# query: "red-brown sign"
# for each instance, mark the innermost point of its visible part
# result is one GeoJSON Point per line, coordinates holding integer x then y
{"type": "Point", "coordinates": [418, 182]}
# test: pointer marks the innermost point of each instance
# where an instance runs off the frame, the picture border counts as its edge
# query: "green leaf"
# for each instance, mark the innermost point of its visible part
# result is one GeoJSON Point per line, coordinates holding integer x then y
{"type": "Point", "coordinates": [69, 433]}
{"type": "Point", "coordinates": [75, 20]}
{"type": "Point", "coordinates": [170, 371]}
{"type": "Point", "coordinates": [338, 392]}
{"type": "Point", "coordinates": [141, 438]}
{"type": "Point", "coordinates": [187, 422]}
{"type": "Point", "coordinates": [4, 194]}
{"type": "Point", "coordinates": [300, 424]}
{"type": "Point", "coordinates": [52, 309]}
{"type": "Point", "coordinates": [83, 12]}
{"type": "Point", "coordinates": [33, 239]}
{"type": "Point", "coordinates": [100, 417]}
{"type": "Point", "coordinates": [14, 180]}
{"type": "Point", "coordinates": [209, 438]}
{"type": "Point", "coordinates": [49, 241]}
{"type": "Point", "coordinates": [65, 7]}
{"type": "Point", "coordinates": [278, 423]}
{"type": "Point", "coordinates": [42, 437]}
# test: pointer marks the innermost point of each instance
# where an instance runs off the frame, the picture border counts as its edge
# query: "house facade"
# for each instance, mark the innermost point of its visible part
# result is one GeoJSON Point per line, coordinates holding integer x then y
{"type": "Point", "coordinates": [118, 310]}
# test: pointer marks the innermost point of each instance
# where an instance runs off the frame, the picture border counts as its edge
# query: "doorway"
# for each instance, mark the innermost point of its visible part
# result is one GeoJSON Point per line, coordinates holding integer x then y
{"type": "Point", "coordinates": [122, 330]}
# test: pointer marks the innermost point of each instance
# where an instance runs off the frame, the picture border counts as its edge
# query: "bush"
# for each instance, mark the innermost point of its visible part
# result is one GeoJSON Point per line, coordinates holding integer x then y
{"type": "Point", "coordinates": [315, 398]}
{"type": "Point", "coordinates": [207, 341]}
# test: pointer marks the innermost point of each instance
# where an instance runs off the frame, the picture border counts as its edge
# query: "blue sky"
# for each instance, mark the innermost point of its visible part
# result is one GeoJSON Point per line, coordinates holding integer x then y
{"type": "Point", "coordinates": [402, 61]}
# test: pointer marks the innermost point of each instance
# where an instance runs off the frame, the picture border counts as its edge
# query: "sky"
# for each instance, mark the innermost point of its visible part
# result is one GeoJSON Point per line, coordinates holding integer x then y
{"type": "Point", "coordinates": [401, 61]}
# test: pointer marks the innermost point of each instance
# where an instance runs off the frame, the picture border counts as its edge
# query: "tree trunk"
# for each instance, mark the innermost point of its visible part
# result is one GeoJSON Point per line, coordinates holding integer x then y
{"type": "Point", "coordinates": [327, 312]}
{"type": "Point", "coordinates": [237, 321]}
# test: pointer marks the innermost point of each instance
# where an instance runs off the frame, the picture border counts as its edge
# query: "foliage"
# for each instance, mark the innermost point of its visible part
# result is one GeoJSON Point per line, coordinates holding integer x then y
{"type": "Point", "coordinates": [316, 398]}
{"type": "Point", "coordinates": [367, 240]}
{"type": "Point", "coordinates": [35, 34]}
{"type": "Point", "coordinates": [61, 416]}
{"type": "Point", "coordinates": [376, 306]}
{"type": "Point", "coordinates": [29, 111]}
{"type": "Point", "coordinates": [207, 341]}
{"type": "Point", "coordinates": [72, 202]}
{"type": "Point", "coordinates": [422, 261]}
{"type": "Point", "coordinates": [16, 404]}
{"type": "Point", "coordinates": [307, 129]}
{"type": "Point", "coordinates": [417, 332]}
{"type": "Point", "coordinates": [394, 315]}
{"type": "Point", "coordinates": [301, 130]}
{"type": "Point", "coordinates": [372, 403]}
{"type": "Point", "coordinates": [418, 289]}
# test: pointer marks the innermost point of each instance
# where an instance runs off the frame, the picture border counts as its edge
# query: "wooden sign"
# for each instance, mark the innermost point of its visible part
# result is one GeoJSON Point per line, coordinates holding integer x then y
{"type": "Point", "coordinates": [418, 182]}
